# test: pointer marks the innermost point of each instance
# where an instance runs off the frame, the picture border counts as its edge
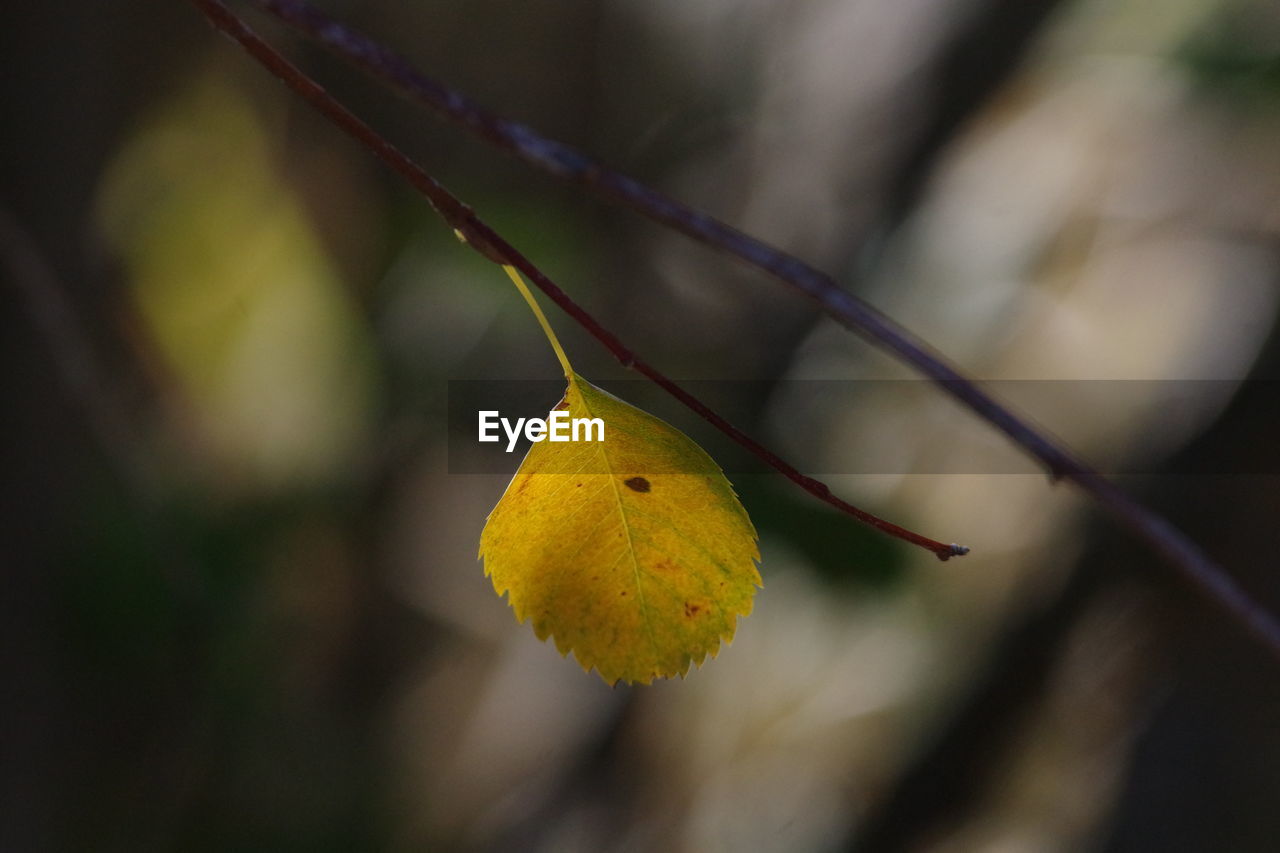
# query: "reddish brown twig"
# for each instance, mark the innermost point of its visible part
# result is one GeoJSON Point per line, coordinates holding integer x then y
{"type": "Point", "coordinates": [491, 245]}
{"type": "Point", "coordinates": [1195, 567]}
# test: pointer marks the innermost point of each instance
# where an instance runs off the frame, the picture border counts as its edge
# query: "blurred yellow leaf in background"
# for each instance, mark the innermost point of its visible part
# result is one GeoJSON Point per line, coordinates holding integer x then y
{"type": "Point", "coordinates": [633, 552]}
{"type": "Point", "coordinates": [264, 349]}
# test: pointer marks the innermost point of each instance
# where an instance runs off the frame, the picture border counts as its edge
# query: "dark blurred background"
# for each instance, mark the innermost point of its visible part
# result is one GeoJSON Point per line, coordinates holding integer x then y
{"type": "Point", "coordinates": [241, 608]}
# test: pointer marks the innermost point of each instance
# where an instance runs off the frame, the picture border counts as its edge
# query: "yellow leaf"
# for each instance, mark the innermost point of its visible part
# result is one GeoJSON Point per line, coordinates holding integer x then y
{"type": "Point", "coordinates": [633, 552]}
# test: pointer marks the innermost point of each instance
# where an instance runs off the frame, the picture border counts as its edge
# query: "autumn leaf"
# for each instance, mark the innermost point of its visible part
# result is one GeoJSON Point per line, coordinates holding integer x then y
{"type": "Point", "coordinates": [633, 552]}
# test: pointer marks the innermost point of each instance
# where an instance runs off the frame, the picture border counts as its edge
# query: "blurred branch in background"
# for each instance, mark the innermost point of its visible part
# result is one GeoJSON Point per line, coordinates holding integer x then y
{"type": "Point", "coordinates": [84, 381]}
{"type": "Point", "coordinates": [1196, 567]}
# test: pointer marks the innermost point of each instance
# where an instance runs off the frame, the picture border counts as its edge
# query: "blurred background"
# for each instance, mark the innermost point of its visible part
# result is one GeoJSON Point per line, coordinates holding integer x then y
{"type": "Point", "coordinates": [241, 606]}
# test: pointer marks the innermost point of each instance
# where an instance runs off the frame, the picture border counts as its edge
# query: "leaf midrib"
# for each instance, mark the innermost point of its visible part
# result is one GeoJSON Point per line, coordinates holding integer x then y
{"type": "Point", "coordinates": [626, 527]}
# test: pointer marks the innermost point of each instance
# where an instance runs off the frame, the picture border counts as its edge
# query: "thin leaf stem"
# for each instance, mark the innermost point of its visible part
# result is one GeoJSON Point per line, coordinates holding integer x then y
{"type": "Point", "coordinates": [514, 275]}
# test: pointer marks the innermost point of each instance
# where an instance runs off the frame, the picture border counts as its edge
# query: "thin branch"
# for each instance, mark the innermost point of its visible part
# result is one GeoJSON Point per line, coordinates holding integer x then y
{"type": "Point", "coordinates": [1204, 574]}
{"type": "Point", "coordinates": [492, 246]}
{"type": "Point", "coordinates": [569, 164]}
{"type": "Point", "coordinates": [1195, 567]}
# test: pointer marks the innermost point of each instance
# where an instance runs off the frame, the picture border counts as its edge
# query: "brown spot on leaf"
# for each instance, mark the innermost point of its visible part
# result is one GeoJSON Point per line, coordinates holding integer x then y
{"type": "Point", "coordinates": [637, 484]}
{"type": "Point", "coordinates": [624, 592]}
{"type": "Point", "coordinates": [691, 610]}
